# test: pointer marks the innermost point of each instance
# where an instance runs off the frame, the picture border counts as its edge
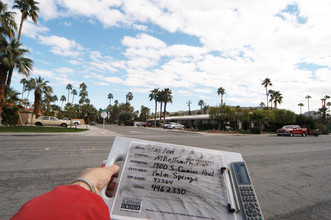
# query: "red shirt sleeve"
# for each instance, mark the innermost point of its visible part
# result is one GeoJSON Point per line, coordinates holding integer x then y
{"type": "Point", "coordinates": [65, 202]}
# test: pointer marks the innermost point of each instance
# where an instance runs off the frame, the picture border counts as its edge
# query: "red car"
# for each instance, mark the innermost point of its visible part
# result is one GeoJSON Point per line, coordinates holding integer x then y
{"type": "Point", "coordinates": [292, 130]}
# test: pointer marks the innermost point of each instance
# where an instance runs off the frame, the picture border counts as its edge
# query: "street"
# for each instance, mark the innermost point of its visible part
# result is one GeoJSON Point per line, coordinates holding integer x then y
{"type": "Point", "coordinates": [291, 175]}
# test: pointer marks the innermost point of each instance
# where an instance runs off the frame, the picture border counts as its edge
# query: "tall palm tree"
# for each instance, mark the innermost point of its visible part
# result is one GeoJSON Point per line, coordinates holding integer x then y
{"type": "Point", "coordinates": [160, 96]}
{"type": "Point", "coordinates": [62, 99]}
{"type": "Point", "coordinates": [24, 81]}
{"type": "Point", "coordinates": [69, 87]}
{"type": "Point", "coordinates": [83, 93]}
{"type": "Point", "coordinates": [308, 97]}
{"type": "Point", "coordinates": [7, 20]}
{"type": "Point", "coordinates": [266, 83]}
{"type": "Point", "coordinates": [201, 103]}
{"type": "Point", "coordinates": [74, 92]}
{"type": "Point", "coordinates": [11, 105]}
{"type": "Point", "coordinates": [277, 98]}
{"type": "Point", "coordinates": [272, 99]}
{"type": "Point", "coordinates": [40, 88]}
{"type": "Point", "coordinates": [262, 104]}
{"type": "Point", "coordinates": [16, 59]}
{"type": "Point", "coordinates": [153, 95]}
{"type": "Point", "coordinates": [167, 98]}
{"type": "Point", "coordinates": [110, 97]}
{"type": "Point", "coordinates": [129, 97]}
{"type": "Point", "coordinates": [28, 8]}
{"type": "Point", "coordinates": [12, 56]}
{"type": "Point", "coordinates": [300, 105]}
{"type": "Point", "coordinates": [29, 86]}
{"type": "Point", "coordinates": [221, 91]}
{"type": "Point", "coordinates": [54, 99]}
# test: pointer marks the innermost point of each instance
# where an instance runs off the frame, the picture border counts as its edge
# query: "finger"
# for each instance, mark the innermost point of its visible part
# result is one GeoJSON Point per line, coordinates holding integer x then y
{"type": "Point", "coordinates": [112, 170]}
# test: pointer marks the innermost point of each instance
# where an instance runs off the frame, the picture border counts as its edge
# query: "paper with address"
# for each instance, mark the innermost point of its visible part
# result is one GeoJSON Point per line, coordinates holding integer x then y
{"type": "Point", "coordinates": [170, 182]}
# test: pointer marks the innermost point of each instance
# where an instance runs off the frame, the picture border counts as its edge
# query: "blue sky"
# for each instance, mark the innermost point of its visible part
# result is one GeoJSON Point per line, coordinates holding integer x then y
{"type": "Point", "coordinates": [190, 46]}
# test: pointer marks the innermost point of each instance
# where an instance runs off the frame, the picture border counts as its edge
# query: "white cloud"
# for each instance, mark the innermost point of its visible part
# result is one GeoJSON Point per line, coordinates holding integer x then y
{"type": "Point", "coordinates": [139, 27]}
{"type": "Point", "coordinates": [62, 46]}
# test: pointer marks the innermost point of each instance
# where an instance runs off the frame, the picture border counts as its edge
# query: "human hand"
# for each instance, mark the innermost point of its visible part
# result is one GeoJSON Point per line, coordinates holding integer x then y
{"type": "Point", "coordinates": [99, 177]}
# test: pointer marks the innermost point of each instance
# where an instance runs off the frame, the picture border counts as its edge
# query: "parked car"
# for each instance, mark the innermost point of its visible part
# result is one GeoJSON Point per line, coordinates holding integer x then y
{"type": "Point", "coordinates": [292, 130]}
{"type": "Point", "coordinates": [48, 121]}
{"type": "Point", "coordinates": [74, 122]}
{"type": "Point", "coordinates": [164, 125]}
{"type": "Point", "coordinates": [174, 125]}
{"type": "Point", "coordinates": [143, 124]}
{"type": "Point", "coordinates": [92, 123]}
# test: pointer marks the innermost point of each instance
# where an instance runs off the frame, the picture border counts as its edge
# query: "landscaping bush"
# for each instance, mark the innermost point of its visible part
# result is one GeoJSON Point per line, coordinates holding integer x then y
{"type": "Point", "coordinates": [322, 129]}
{"type": "Point", "coordinates": [256, 130]}
{"type": "Point", "coordinates": [128, 123]}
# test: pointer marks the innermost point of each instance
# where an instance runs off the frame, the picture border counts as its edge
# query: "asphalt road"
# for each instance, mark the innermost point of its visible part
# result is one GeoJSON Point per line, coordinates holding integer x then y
{"type": "Point", "coordinates": [291, 175]}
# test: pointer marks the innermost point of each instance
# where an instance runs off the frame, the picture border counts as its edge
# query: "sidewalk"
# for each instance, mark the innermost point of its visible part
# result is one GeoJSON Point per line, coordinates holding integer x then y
{"type": "Point", "coordinates": [93, 131]}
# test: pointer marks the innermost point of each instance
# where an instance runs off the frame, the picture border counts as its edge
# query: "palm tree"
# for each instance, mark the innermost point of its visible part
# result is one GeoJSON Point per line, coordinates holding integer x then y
{"type": "Point", "coordinates": [221, 91]}
{"type": "Point", "coordinates": [167, 98]}
{"type": "Point", "coordinates": [40, 88]}
{"type": "Point", "coordinates": [278, 98]}
{"type": "Point", "coordinates": [300, 104]}
{"type": "Point", "coordinates": [267, 83]}
{"type": "Point", "coordinates": [12, 56]}
{"type": "Point", "coordinates": [16, 59]}
{"type": "Point", "coordinates": [69, 87]}
{"type": "Point", "coordinates": [28, 8]}
{"type": "Point", "coordinates": [154, 95]}
{"type": "Point", "coordinates": [11, 105]}
{"type": "Point", "coordinates": [29, 86]}
{"type": "Point", "coordinates": [110, 97]}
{"type": "Point", "coordinates": [271, 100]}
{"type": "Point", "coordinates": [129, 97]}
{"type": "Point", "coordinates": [83, 93]}
{"type": "Point", "coordinates": [7, 20]}
{"type": "Point", "coordinates": [262, 104]}
{"type": "Point", "coordinates": [54, 99]}
{"type": "Point", "coordinates": [160, 96]}
{"type": "Point", "coordinates": [74, 92]}
{"type": "Point", "coordinates": [201, 103]}
{"type": "Point", "coordinates": [62, 99]}
{"type": "Point", "coordinates": [24, 81]}
{"type": "Point", "coordinates": [308, 97]}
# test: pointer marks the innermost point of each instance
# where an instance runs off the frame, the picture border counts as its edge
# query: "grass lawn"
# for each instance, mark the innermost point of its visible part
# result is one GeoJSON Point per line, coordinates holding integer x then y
{"type": "Point", "coordinates": [41, 129]}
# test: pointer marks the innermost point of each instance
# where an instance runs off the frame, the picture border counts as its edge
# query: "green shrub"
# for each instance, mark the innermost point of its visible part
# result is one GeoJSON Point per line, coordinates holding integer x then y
{"type": "Point", "coordinates": [128, 123]}
{"type": "Point", "coordinates": [256, 130]}
{"type": "Point", "coordinates": [322, 129]}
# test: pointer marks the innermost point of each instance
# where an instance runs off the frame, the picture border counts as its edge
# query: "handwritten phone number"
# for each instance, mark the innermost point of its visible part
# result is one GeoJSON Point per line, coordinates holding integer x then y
{"type": "Point", "coordinates": [166, 189]}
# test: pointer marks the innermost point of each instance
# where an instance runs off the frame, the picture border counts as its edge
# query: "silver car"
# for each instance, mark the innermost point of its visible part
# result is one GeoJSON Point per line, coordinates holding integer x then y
{"type": "Point", "coordinates": [174, 125]}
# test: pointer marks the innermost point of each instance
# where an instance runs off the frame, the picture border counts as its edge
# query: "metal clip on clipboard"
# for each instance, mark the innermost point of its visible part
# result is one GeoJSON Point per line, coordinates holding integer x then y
{"type": "Point", "coordinates": [232, 207]}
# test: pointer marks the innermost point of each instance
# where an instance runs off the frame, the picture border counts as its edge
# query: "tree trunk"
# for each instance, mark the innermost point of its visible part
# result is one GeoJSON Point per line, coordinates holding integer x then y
{"type": "Point", "coordinates": [20, 30]}
{"type": "Point", "coordinates": [3, 78]}
{"type": "Point", "coordinates": [161, 111]}
{"type": "Point", "coordinates": [155, 113]}
{"type": "Point", "coordinates": [266, 92]}
{"type": "Point", "coordinates": [164, 112]}
{"type": "Point", "coordinates": [10, 74]}
{"type": "Point", "coordinates": [36, 104]}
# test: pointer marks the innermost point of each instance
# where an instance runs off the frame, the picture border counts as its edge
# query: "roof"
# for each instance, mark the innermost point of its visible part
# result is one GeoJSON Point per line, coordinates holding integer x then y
{"type": "Point", "coordinates": [183, 118]}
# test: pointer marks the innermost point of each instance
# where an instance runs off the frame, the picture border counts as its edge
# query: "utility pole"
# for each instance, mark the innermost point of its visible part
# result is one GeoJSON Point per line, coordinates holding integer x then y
{"type": "Point", "coordinates": [189, 106]}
